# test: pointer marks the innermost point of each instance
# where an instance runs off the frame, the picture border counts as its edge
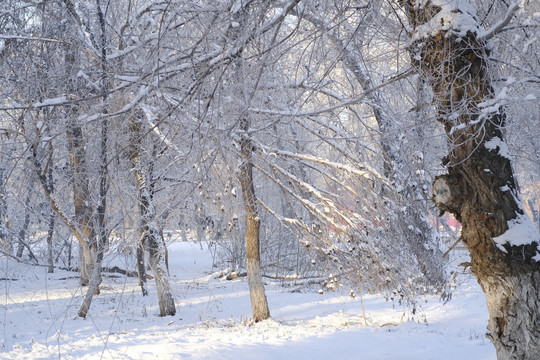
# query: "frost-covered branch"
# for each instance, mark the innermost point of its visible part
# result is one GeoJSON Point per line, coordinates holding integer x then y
{"type": "Point", "coordinates": [356, 100]}
{"type": "Point", "coordinates": [363, 170]}
{"type": "Point", "coordinates": [497, 28]}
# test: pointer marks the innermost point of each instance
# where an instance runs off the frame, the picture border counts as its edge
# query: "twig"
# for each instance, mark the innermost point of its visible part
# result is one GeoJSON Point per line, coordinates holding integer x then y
{"type": "Point", "coordinates": [453, 245]}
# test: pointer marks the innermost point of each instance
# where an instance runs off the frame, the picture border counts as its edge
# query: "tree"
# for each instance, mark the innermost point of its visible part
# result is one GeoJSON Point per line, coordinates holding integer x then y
{"type": "Point", "coordinates": [150, 236]}
{"type": "Point", "coordinates": [450, 52]}
{"type": "Point", "coordinates": [401, 166]}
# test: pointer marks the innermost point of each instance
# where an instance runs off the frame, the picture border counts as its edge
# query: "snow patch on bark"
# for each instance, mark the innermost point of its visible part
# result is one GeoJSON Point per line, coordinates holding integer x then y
{"type": "Point", "coordinates": [455, 15]}
{"type": "Point", "coordinates": [521, 231]}
{"type": "Point", "coordinates": [495, 143]}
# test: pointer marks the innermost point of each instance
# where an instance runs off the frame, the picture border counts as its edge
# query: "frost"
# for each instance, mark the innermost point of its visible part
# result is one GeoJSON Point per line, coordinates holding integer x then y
{"type": "Point", "coordinates": [521, 231]}
{"type": "Point", "coordinates": [457, 128]}
{"type": "Point", "coordinates": [455, 15]}
{"type": "Point", "coordinates": [495, 143]}
{"type": "Point", "coordinates": [530, 97]}
{"type": "Point", "coordinates": [51, 102]}
{"type": "Point", "coordinates": [236, 7]}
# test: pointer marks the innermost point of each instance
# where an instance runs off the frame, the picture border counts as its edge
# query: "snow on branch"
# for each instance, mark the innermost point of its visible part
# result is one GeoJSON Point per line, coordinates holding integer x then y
{"type": "Point", "coordinates": [289, 222]}
{"type": "Point", "coordinates": [356, 100]}
{"type": "Point", "coordinates": [30, 38]}
{"type": "Point", "coordinates": [457, 16]}
{"type": "Point", "coordinates": [149, 117]}
{"type": "Point", "coordinates": [488, 34]}
{"type": "Point", "coordinates": [51, 102]}
{"type": "Point", "coordinates": [363, 171]}
{"type": "Point", "coordinates": [323, 210]}
{"type": "Point", "coordinates": [338, 132]}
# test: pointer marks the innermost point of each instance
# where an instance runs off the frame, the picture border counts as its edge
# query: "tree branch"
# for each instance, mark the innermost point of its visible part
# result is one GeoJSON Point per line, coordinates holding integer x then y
{"type": "Point", "coordinates": [488, 34]}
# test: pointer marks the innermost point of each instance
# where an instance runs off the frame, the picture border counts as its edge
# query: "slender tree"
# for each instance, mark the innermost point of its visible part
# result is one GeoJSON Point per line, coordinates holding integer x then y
{"type": "Point", "coordinates": [259, 303]}
{"type": "Point", "coordinates": [151, 237]}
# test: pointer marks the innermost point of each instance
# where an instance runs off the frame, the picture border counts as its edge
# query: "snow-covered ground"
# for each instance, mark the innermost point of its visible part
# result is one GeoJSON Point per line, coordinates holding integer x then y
{"type": "Point", "coordinates": [39, 319]}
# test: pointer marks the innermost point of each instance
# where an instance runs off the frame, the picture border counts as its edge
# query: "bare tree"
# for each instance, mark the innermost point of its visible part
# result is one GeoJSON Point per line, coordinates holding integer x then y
{"type": "Point", "coordinates": [151, 237]}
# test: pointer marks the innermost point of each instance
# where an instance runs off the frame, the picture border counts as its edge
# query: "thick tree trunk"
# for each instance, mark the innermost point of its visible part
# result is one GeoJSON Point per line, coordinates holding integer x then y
{"type": "Point", "coordinates": [150, 236]}
{"type": "Point", "coordinates": [479, 188]}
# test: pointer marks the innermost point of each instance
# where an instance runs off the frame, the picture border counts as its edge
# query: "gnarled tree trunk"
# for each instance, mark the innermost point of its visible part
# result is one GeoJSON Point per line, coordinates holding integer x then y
{"type": "Point", "coordinates": [479, 188]}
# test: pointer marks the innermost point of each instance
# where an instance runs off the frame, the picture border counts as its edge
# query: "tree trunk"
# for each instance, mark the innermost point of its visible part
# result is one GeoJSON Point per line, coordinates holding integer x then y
{"type": "Point", "coordinates": [22, 231]}
{"type": "Point", "coordinates": [141, 270]}
{"type": "Point", "coordinates": [257, 294]}
{"type": "Point", "coordinates": [50, 233]}
{"type": "Point", "coordinates": [84, 214]}
{"type": "Point", "coordinates": [98, 241]}
{"type": "Point", "coordinates": [93, 286]}
{"type": "Point", "coordinates": [150, 236]}
{"type": "Point", "coordinates": [479, 188]}
{"type": "Point", "coordinates": [81, 200]}
{"type": "Point", "coordinates": [4, 222]}
{"type": "Point", "coordinates": [156, 259]}
{"type": "Point", "coordinates": [259, 303]}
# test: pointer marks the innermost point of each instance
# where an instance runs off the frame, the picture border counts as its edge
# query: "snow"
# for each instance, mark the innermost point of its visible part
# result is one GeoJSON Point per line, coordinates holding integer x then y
{"type": "Point", "coordinates": [521, 231]}
{"type": "Point", "coordinates": [213, 319]}
{"type": "Point", "coordinates": [51, 102]}
{"type": "Point", "coordinates": [456, 15]}
{"type": "Point", "coordinates": [497, 143]}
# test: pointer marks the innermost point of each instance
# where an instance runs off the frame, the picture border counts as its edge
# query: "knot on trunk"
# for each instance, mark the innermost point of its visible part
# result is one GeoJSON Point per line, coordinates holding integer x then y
{"type": "Point", "coordinates": [447, 194]}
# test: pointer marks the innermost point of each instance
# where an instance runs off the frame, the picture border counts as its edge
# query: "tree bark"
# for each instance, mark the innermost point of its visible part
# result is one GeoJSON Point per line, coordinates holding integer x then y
{"type": "Point", "coordinates": [22, 231]}
{"type": "Point", "coordinates": [479, 188]}
{"type": "Point", "coordinates": [141, 269]}
{"type": "Point", "coordinates": [4, 222]}
{"type": "Point", "coordinates": [259, 304]}
{"type": "Point", "coordinates": [81, 200]}
{"type": "Point", "coordinates": [50, 232]}
{"type": "Point", "coordinates": [150, 235]}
